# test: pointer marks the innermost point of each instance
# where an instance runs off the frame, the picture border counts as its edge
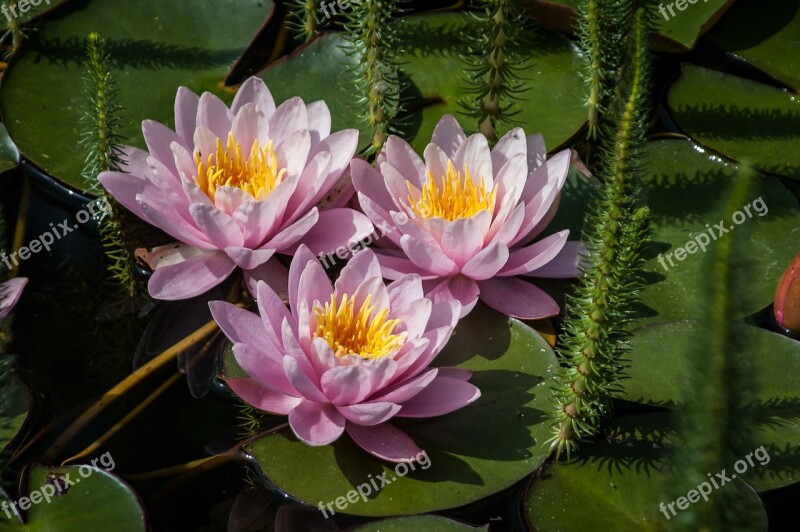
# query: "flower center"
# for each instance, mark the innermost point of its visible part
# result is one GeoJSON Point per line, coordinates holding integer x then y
{"type": "Point", "coordinates": [357, 332]}
{"type": "Point", "coordinates": [458, 198]}
{"type": "Point", "coordinates": [258, 174]}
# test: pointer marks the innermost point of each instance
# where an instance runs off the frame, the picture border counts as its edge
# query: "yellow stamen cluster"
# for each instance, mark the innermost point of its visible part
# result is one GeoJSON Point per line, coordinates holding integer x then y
{"type": "Point", "coordinates": [258, 174]}
{"type": "Point", "coordinates": [458, 198]}
{"type": "Point", "coordinates": [357, 332]}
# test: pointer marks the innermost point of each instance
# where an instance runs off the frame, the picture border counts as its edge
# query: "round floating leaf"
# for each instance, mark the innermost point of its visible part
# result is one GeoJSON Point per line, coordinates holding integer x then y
{"type": "Point", "coordinates": [614, 486]}
{"type": "Point", "coordinates": [685, 188]}
{"type": "Point", "coordinates": [155, 47]}
{"type": "Point", "coordinates": [472, 453]}
{"type": "Point", "coordinates": [14, 403]}
{"type": "Point", "coordinates": [765, 34]}
{"type": "Point", "coordinates": [428, 523]}
{"type": "Point", "coordinates": [745, 120]}
{"type": "Point", "coordinates": [96, 501]}
{"type": "Point", "coordinates": [658, 369]}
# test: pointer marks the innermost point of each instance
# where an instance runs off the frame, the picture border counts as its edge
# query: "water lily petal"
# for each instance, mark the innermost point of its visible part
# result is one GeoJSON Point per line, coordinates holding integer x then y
{"type": "Point", "coordinates": [262, 398]}
{"type": "Point", "coordinates": [535, 256]}
{"type": "Point", "coordinates": [186, 103]}
{"type": "Point", "coordinates": [384, 441]}
{"type": "Point", "coordinates": [448, 135]}
{"type": "Point", "coordinates": [487, 263]}
{"type": "Point", "coordinates": [337, 228]}
{"type": "Point", "coordinates": [426, 257]}
{"type": "Point", "coordinates": [369, 414]}
{"type": "Point", "coordinates": [517, 298]}
{"type": "Point", "coordinates": [564, 266]}
{"type": "Point", "coordinates": [191, 277]}
{"type": "Point", "coordinates": [316, 423]}
{"type": "Point", "coordinates": [442, 396]}
{"type": "Point", "coordinates": [254, 90]}
{"type": "Point", "coordinates": [212, 113]}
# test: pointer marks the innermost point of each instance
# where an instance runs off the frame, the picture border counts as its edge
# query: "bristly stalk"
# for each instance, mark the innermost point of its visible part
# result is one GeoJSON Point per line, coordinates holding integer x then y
{"type": "Point", "coordinates": [493, 77]}
{"type": "Point", "coordinates": [102, 143]}
{"type": "Point", "coordinates": [717, 417]}
{"type": "Point", "coordinates": [372, 28]}
{"type": "Point", "coordinates": [601, 32]}
{"type": "Point", "coordinates": [595, 337]}
{"type": "Point", "coordinates": [304, 18]}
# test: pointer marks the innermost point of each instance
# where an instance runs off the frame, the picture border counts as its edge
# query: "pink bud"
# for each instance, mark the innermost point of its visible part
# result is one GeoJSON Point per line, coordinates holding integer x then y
{"type": "Point", "coordinates": [787, 298]}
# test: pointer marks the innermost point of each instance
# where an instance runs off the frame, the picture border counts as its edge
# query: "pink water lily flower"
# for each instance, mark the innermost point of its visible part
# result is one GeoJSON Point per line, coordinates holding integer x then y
{"type": "Point", "coordinates": [466, 218]}
{"type": "Point", "coordinates": [347, 358]}
{"type": "Point", "coordinates": [236, 185]}
{"type": "Point", "coordinates": [10, 293]}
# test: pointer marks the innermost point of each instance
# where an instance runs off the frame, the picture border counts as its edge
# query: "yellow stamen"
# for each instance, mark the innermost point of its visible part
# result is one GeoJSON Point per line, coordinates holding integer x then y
{"type": "Point", "coordinates": [351, 332]}
{"type": "Point", "coordinates": [458, 198]}
{"type": "Point", "coordinates": [258, 174]}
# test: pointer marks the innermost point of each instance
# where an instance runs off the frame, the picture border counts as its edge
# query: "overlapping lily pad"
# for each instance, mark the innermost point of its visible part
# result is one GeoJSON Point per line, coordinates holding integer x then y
{"type": "Point", "coordinates": [9, 156]}
{"type": "Point", "coordinates": [428, 523]}
{"type": "Point", "coordinates": [743, 119]}
{"type": "Point", "coordinates": [766, 34]}
{"type": "Point", "coordinates": [433, 75]}
{"type": "Point", "coordinates": [155, 46]}
{"type": "Point", "coordinates": [615, 486]}
{"type": "Point", "coordinates": [97, 500]}
{"type": "Point", "coordinates": [473, 453]}
{"type": "Point", "coordinates": [658, 372]}
{"type": "Point", "coordinates": [685, 187]}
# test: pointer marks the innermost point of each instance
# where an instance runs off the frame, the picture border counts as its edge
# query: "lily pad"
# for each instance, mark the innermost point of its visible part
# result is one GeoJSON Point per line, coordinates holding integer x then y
{"type": "Point", "coordinates": [30, 13]}
{"type": "Point", "coordinates": [433, 74]}
{"type": "Point", "coordinates": [472, 453]}
{"type": "Point", "coordinates": [97, 500]}
{"type": "Point", "coordinates": [155, 47]}
{"type": "Point", "coordinates": [742, 119]}
{"type": "Point", "coordinates": [766, 34]}
{"type": "Point", "coordinates": [685, 187]}
{"type": "Point", "coordinates": [14, 404]}
{"type": "Point", "coordinates": [659, 365]}
{"type": "Point", "coordinates": [614, 486]}
{"type": "Point", "coordinates": [428, 523]}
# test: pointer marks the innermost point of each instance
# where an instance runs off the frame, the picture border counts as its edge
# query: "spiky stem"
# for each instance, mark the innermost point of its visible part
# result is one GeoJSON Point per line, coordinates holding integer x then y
{"type": "Point", "coordinates": [371, 26]}
{"type": "Point", "coordinates": [595, 334]}
{"type": "Point", "coordinates": [304, 18]}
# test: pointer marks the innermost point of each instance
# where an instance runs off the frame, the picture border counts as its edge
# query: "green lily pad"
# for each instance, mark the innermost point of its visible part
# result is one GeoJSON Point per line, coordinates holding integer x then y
{"type": "Point", "coordinates": [742, 119]}
{"type": "Point", "coordinates": [473, 453]}
{"type": "Point", "coordinates": [156, 47]}
{"type": "Point", "coordinates": [766, 34]}
{"type": "Point", "coordinates": [678, 30]}
{"type": "Point", "coordinates": [614, 486]}
{"type": "Point", "coordinates": [428, 523]}
{"type": "Point", "coordinates": [685, 187]}
{"type": "Point", "coordinates": [98, 500]}
{"type": "Point", "coordinates": [434, 80]}
{"type": "Point", "coordinates": [9, 156]}
{"type": "Point", "coordinates": [14, 404]}
{"type": "Point", "coordinates": [658, 367]}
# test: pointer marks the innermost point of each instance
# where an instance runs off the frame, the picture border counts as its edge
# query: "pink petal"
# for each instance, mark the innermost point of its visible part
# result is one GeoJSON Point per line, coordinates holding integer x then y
{"type": "Point", "coordinates": [168, 219]}
{"type": "Point", "coordinates": [448, 135]}
{"type": "Point", "coordinates": [158, 138]}
{"type": "Point", "coordinates": [342, 147]}
{"type": "Point", "coordinates": [458, 288]}
{"type": "Point", "coordinates": [565, 266]}
{"type": "Point", "coordinates": [369, 414]}
{"type": "Point", "coordinates": [288, 237]}
{"type": "Point", "coordinates": [266, 367]}
{"type": "Point", "coordinates": [257, 220]}
{"type": "Point", "coordinates": [444, 314]}
{"type": "Point", "coordinates": [518, 299]}
{"type": "Point", "coordinates": [10, 292]}
{"type": "Point", "coordinates": [463, 238]}
{"type": "Point", "coordinates": [186, 103]}
{"type": "Point", "coordinates": [511, 180]}
{"type": "Point", "coordinates": [226, 199]}
{"type": "Point", "coordinates": [455, 373]}
{"type": "Point", "coordinates": [314, 286]}
{"type": "Point", "coordinates": [511, 145]}
{"type": "Point", "coordinates": [248, 125]}
{"type": "Point", "coordinates": [212, 113]}
{"type": "Point", "coordinates": [242, 327]}
{"type": "Point", "coordinates": [299, 264]}
{"type": "Point", "coordinates": [427, 258]}
{"type": "Point", "coordinates": [298, 378]}
{"type": "Point", "coordinates": [293, 153]}
{"type": "Point", "coordinates": [402, 392]}
{"type": "Point", "coordinates": [345, 385]}
{"type": "Point", "coordinates": [191, 277]}
{"type": "Point", "coordinates": [319, 121]}
{"type": "Point", "coordinates": [290, 116]}
{"type": "Point", "coordinates": [336, 228]}
{"type": "Point", "coordinates": [537, 151]}
{"type": "Point", "coordinates": [256, 91]}
{"type": "Point", "coordinates": [249, 259]}
{"type": "Point", "coordinates": [436, 164]}
{"type": "Point", "coordinates": [362, 266]}
{"type": "Point", "coordinates": [405, 291]}
{"type": "Point", "coordinates": [487, 263]}
{"type": "Point", "coordinates": [272, 311]}
{"type": "Point", "coordinates": [124, 188]}
{"type": "Point", "coordinates": [474, 154]}
{"type": "Point", "coordinates": [395, 267]}
{"type": "Point", "coordinates": [525, 260]}
{"type": "Point", "coordinates": [442, 396]}
{"type": "Point", "coordinates": [220, 228]}
{"type": "Point", "coordinates": [311, 182]}
{"type": "Point", "coordinates": [368, 181]}
{"type": "Point", "coordinates": [402, 157]}
{"type": "Point", "coordinates": [316, 423]}
{"type": "Point", "coordinates": [262, 398]}
{"type": "Point", "coordinates": [385, 442]}
{"type": "Point", "coordinates": [274, 274]}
